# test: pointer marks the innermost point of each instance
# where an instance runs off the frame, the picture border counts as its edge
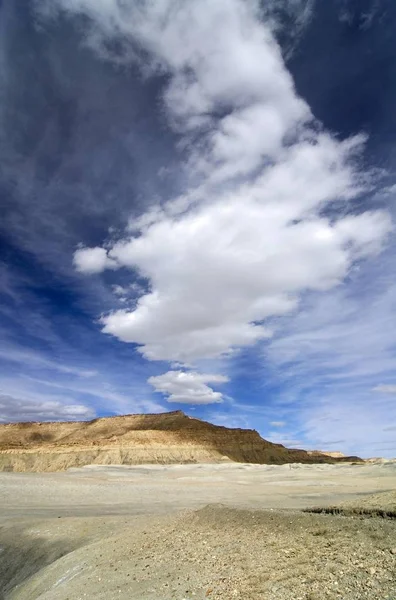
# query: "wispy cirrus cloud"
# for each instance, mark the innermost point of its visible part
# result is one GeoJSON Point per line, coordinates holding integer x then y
{"type": "Point", "coordinates": [330, 356]}
{"type": "Point", "coordinates": [25, 357]}
{"type": "Point", "coordinates": [17, 409]}
{"type": "Point", "coordinates": [385, 389]}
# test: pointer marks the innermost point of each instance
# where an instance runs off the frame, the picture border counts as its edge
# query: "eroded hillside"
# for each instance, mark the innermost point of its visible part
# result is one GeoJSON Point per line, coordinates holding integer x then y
{"type": "Point", "coordinates": [137, 439]}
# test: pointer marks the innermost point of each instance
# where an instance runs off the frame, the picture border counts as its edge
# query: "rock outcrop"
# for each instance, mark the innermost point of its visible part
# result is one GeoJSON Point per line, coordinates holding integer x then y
{"type": "Point", "coordinates": [335, 454]}
{"type": "Point", "coordinates": [139, 439]}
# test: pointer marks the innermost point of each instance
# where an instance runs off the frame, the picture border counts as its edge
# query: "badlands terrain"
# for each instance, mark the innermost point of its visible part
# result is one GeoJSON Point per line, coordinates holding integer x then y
{"type": "Point", "coordinates": [139, 439]}
{"type": "Point", "coordinates": [220, 526]}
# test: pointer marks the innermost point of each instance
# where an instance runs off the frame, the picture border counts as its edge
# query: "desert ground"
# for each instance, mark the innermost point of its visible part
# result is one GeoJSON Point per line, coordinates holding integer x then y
{"type": "Point", "coordinates": [184, 532]}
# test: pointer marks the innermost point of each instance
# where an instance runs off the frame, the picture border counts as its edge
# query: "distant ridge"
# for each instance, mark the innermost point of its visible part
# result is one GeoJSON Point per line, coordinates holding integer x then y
{"type": "Point", "coordinates": [334, 454]}
{"type": "Point", "coordinates": [164, 438]}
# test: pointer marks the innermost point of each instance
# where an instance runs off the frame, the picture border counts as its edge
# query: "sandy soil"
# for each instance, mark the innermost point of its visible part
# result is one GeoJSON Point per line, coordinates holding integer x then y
{"type": "Point", "coordinates": [154, 489]}
{"type": "Point", "coordinates": [148, 533]}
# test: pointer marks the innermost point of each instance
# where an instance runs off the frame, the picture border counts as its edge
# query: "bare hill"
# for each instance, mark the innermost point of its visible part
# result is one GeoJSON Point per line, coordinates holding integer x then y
{"type": "Point", "coordinates": [137, 439]}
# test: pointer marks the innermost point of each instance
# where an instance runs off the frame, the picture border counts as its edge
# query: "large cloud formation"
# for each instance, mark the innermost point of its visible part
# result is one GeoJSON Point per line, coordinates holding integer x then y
{"type": "Point", "coordinates": [257, 225]}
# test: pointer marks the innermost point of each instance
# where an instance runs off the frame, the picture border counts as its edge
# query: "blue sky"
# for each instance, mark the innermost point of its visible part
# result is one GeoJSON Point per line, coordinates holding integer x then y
{"type": "Point", "coordinates": [197, 206]}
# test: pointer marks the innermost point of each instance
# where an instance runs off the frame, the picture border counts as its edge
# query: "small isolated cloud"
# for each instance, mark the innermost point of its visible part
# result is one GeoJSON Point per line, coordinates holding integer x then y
{"type": "Point", "coordinates": [385, 389]}
{"type": "Point", "coordinates": [129, 292]}
{"type": "Point", "coordinates": [15, 409]}
{"type": "Point", "coordinates": [92, 260]}
{"type": "Point", "coordinates": [120, 291]}
{"type": "Point", "coordinates": [188, 388]}
{"type": "Point", "coordinates": [278, 423]}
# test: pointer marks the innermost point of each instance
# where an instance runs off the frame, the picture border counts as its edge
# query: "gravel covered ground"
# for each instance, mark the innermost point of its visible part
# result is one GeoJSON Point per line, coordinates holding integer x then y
{"type": "Point", "coordinates": [212, 552]}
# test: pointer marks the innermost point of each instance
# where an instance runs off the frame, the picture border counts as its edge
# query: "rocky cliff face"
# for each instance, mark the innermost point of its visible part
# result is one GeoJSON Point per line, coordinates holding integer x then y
{"type": "Point", "coordinates": [137, 439]}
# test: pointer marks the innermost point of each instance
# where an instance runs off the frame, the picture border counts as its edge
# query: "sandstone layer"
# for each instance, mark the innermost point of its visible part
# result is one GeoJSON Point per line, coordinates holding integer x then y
{"type": "Point", "coordinates": [335, 454]}
{"type": "Point", "coordinates": [139, 439]}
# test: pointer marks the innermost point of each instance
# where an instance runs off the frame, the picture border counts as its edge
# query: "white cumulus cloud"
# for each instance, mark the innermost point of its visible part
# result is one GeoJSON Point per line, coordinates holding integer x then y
{"type": "Point", "coordinates": [188, 387]}
{"type": "Point", "coordinates": [256, 226]}
{"type": "Point", "coordinates": [217, 272]}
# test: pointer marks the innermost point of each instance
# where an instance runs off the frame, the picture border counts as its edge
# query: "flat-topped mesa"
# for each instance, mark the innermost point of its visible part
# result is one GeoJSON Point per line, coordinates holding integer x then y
{"type": "Point", "coordinates": [117, 429]}
{"type": "Point", "coordinates": [171, 437]}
